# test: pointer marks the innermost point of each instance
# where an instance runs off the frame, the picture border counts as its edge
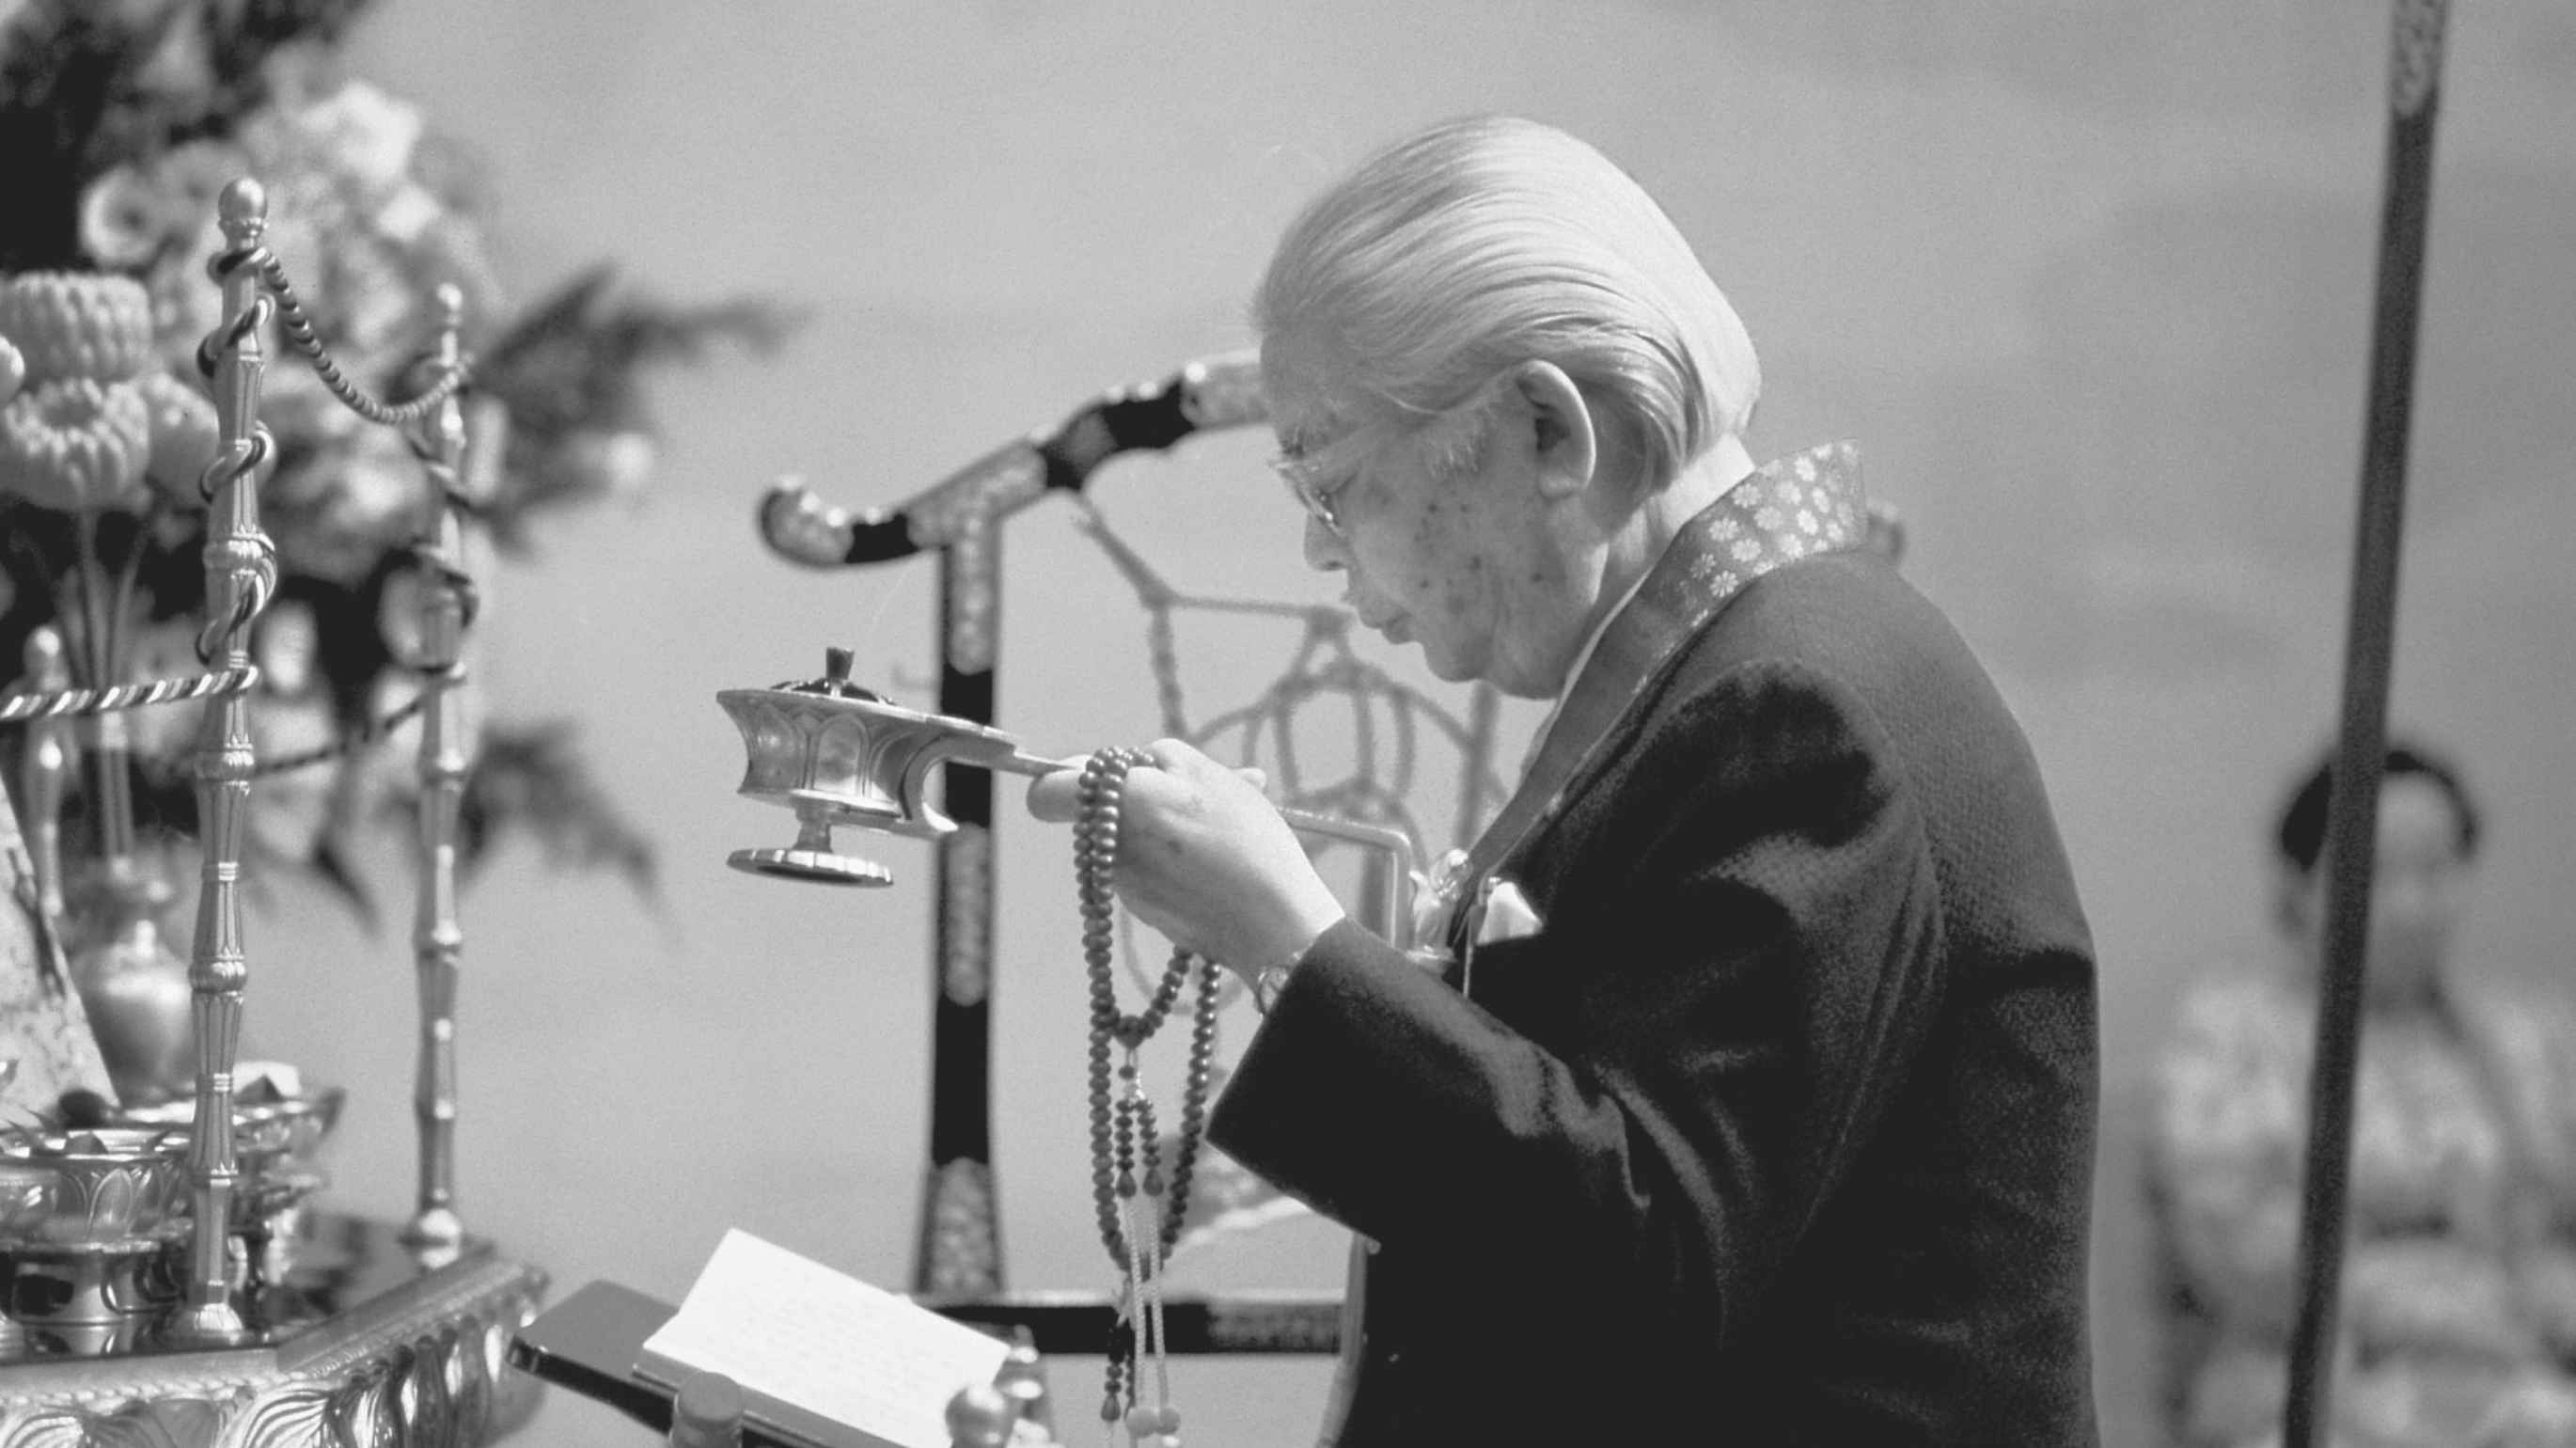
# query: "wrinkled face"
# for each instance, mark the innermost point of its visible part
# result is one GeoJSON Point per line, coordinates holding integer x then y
{"type": "Point", "coordinates": [1458, 561]}
{"type": "Point", "coordinates": [2416, 891]}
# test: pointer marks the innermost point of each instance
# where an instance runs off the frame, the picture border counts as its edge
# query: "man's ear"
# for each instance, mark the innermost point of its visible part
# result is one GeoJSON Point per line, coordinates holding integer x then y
{"type": "Point", "coordinates": [1564, 443]}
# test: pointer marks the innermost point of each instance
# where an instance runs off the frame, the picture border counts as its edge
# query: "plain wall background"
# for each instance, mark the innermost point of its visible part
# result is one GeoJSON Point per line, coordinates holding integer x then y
{"type": "Point", "coordinates": [2089, 282]}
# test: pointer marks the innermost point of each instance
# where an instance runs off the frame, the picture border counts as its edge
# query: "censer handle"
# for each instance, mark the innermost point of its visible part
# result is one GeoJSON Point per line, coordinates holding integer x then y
{"type": "Point", "coordinates": [1395, 924]}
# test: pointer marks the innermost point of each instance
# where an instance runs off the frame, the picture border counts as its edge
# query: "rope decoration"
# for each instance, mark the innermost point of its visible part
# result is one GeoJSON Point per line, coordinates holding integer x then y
{"type": "Point", "coordinates": [279, 300]}
{"type": "Point", "coordinates": [298, 329]}
{"type": "Point", "coordinates": [232, 331]}
{"type": "Point", "coordinates": [258, 585]}
{"type": "Point", "coordinates": [365, 736]}
{"type": "Point", "coordinates": [241, 459]}
{"type": "Point", "coordinates": [82, 703]}
{"type": "Point", "coordinates": [372, 731]}
{"type": "Point", "coordinates": [446, 479]}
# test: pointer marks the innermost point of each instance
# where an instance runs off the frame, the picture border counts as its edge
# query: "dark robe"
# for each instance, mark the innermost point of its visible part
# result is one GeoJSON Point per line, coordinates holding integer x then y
{"type": "Point", "coordinates": [1779, 1129]}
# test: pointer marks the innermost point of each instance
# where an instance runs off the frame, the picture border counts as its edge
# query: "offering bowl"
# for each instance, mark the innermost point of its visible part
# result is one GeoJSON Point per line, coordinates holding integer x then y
{"type": "Point", "coordinates": [110, 1184]}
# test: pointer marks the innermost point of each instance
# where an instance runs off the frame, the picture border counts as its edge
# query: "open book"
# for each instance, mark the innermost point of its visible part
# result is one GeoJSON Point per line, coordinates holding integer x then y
{"type": "Point", "coordinates": [822, 1359]}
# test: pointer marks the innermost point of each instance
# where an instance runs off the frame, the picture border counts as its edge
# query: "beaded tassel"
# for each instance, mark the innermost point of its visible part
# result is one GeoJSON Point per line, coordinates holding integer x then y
{"type": "Point", "coordinates": [1148, 1250]}
{"type": "Point", "coordinates": [1139, 1208]}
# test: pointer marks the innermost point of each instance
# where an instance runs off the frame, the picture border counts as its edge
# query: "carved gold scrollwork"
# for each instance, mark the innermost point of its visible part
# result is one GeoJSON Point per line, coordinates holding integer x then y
{"type": "Point", "coordinates": [292, 1418]}
{"type": "Point", "coordinates": [974, 565]}
{"type": "Point", "coordinates": [966, 966]}
{"type": "Point", "coordinates": [365, 1413]}
{"type": "Point", "coordinates": [1003, 481]}
{"type": "Point", "coordinates": [965, 1244]}
{"type": "Point", "coordinates": [2416, 59]}
{"type": "Point", "coordinates": [436, 1380]}
{"type": "Point", "coordinates": [1222, 392]}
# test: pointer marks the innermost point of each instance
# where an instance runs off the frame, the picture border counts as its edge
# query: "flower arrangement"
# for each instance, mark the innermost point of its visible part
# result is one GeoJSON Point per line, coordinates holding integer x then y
{"type": "Point", "coordinates": [121, 121]}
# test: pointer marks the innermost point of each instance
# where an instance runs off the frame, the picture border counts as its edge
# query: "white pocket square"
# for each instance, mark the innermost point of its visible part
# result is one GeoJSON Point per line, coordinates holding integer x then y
{"type": "Point", "coordinates": [1505, 914]}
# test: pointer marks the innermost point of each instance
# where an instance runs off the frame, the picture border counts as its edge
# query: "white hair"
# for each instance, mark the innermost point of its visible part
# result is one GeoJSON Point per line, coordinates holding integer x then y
{"type": "Point", "coordinates": [1490, 241]}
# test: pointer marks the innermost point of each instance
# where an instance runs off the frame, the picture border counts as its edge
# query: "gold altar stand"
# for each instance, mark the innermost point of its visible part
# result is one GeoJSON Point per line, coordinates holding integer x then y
{"type": "Point", "coordinates": [167, 1283]}
{"type": "Point", "coordinates": [365, 1343]}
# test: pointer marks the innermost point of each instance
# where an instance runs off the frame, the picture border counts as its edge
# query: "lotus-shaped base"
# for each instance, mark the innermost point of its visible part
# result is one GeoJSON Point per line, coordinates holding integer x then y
{"type": "Point", "coordinates": [111, 1185]}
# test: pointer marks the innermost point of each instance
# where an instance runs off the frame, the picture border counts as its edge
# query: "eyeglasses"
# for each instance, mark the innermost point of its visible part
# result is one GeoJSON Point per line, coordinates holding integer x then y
{"type": "Point", "coordinates": [1314, 489]}
{"type": "Point", "coordinates": [1318, 475]}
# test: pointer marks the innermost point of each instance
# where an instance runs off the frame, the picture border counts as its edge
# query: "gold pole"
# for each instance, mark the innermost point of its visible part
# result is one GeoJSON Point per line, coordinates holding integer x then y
{"type": "Point", "coordinates": [241, 572]}
{"type": "Point", "coordinates": [438, 940]}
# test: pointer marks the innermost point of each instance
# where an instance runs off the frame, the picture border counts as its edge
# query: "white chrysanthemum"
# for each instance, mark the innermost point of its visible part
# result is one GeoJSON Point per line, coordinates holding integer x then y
{"type": "Point", "coordinates": [77, 324]}
{"type": "Point", "coordinates": [75, 445]}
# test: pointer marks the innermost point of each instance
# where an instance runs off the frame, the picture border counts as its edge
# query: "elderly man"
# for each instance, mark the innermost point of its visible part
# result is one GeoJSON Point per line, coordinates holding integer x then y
{"type": "Point", "coordinates": [1774, 1122]}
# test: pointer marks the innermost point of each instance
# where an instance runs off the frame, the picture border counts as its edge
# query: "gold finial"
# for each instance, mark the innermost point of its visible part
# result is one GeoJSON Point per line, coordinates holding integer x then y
{"type": "Point", "coordinates": [451, 306]}
{"type": "Point", "coordinates": [707, 1412]}
{"type": "Point", "coordinates": [1022, 1378]}
{"type": "Point", "coordinates": [242, 210]}
{"type": "Point", "coordinates": [980, 1416]}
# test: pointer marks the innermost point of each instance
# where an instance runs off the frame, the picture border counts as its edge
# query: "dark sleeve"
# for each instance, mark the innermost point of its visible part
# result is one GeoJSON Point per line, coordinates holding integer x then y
{"type": "Point", "coordinates": [1756, 935]}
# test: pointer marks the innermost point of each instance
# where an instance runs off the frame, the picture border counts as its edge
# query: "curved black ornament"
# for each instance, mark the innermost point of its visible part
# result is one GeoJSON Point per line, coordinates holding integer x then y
{"type": "Point", "coordinates": [960, 517]}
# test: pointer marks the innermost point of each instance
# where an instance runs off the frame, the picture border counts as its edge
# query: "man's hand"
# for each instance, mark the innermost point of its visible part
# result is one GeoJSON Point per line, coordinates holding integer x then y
{"type": "Point", "coordinates": [1204, 859]}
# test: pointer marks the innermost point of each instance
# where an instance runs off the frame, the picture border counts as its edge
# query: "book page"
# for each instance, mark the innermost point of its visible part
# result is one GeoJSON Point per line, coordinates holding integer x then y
{"type": "Point", "coordinates": [825, 1344]}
